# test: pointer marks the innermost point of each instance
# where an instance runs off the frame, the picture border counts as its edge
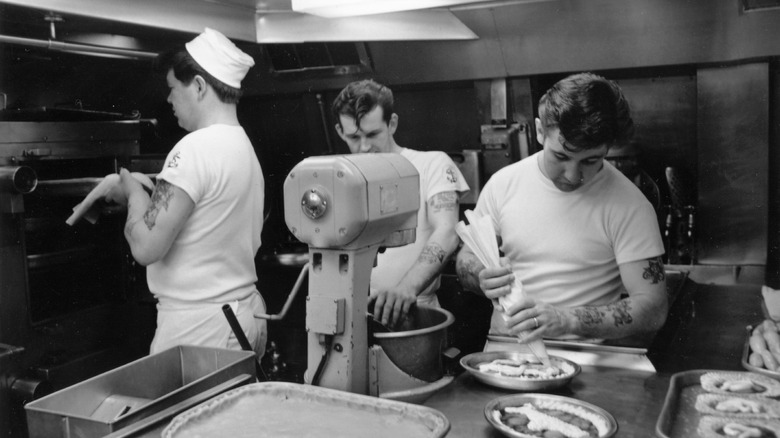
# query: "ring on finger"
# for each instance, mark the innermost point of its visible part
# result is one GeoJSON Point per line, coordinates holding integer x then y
{"type": "Point", "coordinates": [536, 321]}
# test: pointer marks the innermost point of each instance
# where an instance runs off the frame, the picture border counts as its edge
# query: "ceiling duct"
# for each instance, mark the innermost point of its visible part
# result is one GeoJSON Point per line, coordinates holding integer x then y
{"type": "Point", "coordinates": [318, 58]}
{"type": "Point", "coordinates": [756, 5]}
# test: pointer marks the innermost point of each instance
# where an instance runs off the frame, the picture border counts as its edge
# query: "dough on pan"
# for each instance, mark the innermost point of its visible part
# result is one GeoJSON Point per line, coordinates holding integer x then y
{"type": "Point", "coordinates": [737, 406]}
{"type": "Point", "coordinates": [740, 383]}
{"type": "Point", "coordinates": [720, 427]}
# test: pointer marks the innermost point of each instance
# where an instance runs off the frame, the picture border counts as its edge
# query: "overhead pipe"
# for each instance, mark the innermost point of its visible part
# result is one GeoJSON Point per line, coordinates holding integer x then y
{"type": "Point", "coordinates": [62, 46]}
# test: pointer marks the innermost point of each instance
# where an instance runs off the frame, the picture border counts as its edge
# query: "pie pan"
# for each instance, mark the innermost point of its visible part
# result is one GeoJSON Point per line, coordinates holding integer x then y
{"type": "Point", "coordinates": [471, 363]}
{"type": "Point", "coordinates": [609, 423]}
{"type": "Point", "coordinates": [282, 409]}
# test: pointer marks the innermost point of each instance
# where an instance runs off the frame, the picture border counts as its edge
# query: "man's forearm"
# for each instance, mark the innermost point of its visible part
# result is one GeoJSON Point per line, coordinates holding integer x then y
{"type": "Point", "coordinates": [137, 204]}
{"type": "Point", "coordinates": [468, 267]}
{"type": "Point", "coordinates": [426, 268]}
{"type": "Point", "coordinates": [626, 317]}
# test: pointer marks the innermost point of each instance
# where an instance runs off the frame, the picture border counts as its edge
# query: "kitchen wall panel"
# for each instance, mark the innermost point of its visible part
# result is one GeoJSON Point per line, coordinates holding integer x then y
{"type": "Point", "coordinates": [733, 129]}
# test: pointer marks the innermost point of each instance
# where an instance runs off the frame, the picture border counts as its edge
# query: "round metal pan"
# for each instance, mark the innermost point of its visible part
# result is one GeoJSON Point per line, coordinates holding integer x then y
{"type": "Point", "coordinates": [521, 399]}
{"type": "Point", "coordinates": [472, 361]}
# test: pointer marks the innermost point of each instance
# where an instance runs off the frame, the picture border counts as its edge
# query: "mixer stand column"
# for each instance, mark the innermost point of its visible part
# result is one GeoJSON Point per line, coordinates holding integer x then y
{"type": "Point", "coordinates": [336, 324]}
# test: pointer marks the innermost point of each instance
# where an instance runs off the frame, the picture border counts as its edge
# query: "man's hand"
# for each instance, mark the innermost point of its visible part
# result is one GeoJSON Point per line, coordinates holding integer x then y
{"type": "Point", "coordinates": [536, 320]}
{"type": "Point", "coordinates": [496, 282]}
{"type": "Point", "coordinates": [392, 305]}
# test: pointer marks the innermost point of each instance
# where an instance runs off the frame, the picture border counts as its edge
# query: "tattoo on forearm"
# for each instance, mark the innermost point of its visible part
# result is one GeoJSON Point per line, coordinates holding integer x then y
{"type": "Point", "coordinates": [162, 194]}
{"type": "Point", "coordinates": [589, 316]}
{"type": "Point", "coordinates": [446, 201]}
{"type": "Point", "coordinates": [468, 272]}
{"type": "Point", "coordinates": [621, 312]}
{"type": "Point", "coordinates": [654, 271]}
{"type": "Point", "coordinates": [432, 254]}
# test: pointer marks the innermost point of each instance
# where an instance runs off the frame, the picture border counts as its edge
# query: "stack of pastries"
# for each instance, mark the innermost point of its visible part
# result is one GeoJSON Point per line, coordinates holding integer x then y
{"type": "Point", "coordinates": [765, 346]}
{"type": "Point", "coordinates": [738, 405]}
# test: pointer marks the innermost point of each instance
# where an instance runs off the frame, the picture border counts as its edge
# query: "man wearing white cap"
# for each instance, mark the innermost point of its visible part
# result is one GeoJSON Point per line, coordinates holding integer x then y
{"type": "Point", "coordinates": [199, 231]}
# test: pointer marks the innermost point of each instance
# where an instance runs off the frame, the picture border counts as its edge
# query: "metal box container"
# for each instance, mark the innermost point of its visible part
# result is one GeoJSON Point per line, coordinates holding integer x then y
{"type": "Point", "coordinates": [125, 395]}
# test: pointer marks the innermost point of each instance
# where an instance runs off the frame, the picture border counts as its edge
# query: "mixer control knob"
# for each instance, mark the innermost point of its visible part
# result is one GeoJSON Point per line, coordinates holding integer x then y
{"type": "Point", "coordinates": [314, 204]}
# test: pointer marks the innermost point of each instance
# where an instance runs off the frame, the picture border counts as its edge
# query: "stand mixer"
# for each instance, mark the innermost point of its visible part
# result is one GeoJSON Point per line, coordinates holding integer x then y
{"type": "Point", "coordinates": [345, 207]}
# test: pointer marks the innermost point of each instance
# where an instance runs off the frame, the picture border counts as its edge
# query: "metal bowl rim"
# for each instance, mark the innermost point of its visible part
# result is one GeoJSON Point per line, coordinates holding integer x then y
{"type": "Point", "coordinates": [448, 321]}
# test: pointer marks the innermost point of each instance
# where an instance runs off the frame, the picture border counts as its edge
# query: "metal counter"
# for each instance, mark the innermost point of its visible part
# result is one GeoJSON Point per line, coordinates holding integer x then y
{"type": "Point", "coordinates": [711, 336]}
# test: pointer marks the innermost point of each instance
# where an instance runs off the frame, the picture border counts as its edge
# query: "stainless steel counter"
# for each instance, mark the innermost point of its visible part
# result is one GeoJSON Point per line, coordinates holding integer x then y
{"type": "Point", "coordinates": [710, 336]}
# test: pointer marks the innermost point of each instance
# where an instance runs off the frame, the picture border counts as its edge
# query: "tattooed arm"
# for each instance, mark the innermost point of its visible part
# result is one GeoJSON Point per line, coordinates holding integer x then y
{"type": "Point", "coordinates": [643, 310]}
{"type": "Point", "coordinates": [154, 222]}
{"type": "Point", "coordinates": [390, 305]}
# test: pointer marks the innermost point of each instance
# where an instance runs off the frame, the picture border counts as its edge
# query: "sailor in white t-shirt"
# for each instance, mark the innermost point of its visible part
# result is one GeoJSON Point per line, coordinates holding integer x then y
{"type": "Point", "coordinates": [409, 274]}
{"type": "Point", "coordinates": [199, 231]}
{"type": "Point", "coordinates": [581, 238]}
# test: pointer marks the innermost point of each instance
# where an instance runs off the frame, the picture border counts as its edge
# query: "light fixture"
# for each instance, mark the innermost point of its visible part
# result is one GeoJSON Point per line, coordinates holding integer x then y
{"type": "Point", "coordinates": [351, 8]}
{"type": "Point", "coordinates": [400, 26]}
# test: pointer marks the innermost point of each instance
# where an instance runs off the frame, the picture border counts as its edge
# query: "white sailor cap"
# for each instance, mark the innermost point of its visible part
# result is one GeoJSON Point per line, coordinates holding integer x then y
{"type": "Point", "coordinates": [220, 57]}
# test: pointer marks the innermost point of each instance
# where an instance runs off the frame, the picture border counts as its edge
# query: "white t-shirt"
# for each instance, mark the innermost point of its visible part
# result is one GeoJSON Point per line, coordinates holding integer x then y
{"type": "Point", "coordinates": [212, 258]}
{"type": "Point", "coordinates": [438, 174]}
{"type": "Point", "coordinates": [565, 247]}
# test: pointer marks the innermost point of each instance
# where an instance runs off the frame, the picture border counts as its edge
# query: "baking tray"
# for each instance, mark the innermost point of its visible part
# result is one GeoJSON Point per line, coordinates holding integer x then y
{"type": "Point", "coordinates": [746, 355]}
{"type": "Point", "coordinates": [471, 363]}
{"type": "Point", "coordinates": [282, 409]}
{"type": "Point", "coordinates": [519, 400]}
{"type": "Point", "coordinates": [679, 417]}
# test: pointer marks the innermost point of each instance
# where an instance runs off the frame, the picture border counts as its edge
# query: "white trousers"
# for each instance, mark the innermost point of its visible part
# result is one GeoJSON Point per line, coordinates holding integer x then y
{"type": "Point", "coordinates": [205, 324]}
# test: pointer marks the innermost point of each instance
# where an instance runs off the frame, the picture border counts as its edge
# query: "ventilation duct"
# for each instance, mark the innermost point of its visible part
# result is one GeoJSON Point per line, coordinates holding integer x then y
{"type": "Point", "coordinates": [325, 58]}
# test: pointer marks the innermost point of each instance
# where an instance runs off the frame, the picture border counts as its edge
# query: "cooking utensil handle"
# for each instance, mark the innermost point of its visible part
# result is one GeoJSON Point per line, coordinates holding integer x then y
{"type": "Point", "coordinates": [236, 327]}
{"type": "Point", "coordinates": [241, 337]}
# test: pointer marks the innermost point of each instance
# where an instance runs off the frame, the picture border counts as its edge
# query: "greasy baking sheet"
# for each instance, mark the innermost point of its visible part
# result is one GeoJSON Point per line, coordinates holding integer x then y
{"type": "Point", "coordinates": [679, 418]}
{"type": "Point", "coordinates": [521, 399]}
{"type": "Point", "coordinates": [472, 361]}
{"type": "Point", "coordinates": [280, 409]}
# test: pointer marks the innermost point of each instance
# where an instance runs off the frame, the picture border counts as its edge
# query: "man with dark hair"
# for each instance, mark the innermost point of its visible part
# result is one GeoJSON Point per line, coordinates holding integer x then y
{"type": "Point", "coordinates": [410, 274]}
{"type": "Point", "coordinates": [581, 238]}
{"type": "Point", "coordinates": [199, 231]}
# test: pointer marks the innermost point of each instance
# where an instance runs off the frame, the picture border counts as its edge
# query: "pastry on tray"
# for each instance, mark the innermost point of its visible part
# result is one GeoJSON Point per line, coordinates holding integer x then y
{"type": "Point", "coordinates": [737, 382]}
{"type": "Point", "coordinates": [720, 427]}
{"type": "Point", "coordinates": [527, 369]}
{"type": "Point", "coordinates": [552, 418]}
{"type": "Point", "coordinates": [738, 406]}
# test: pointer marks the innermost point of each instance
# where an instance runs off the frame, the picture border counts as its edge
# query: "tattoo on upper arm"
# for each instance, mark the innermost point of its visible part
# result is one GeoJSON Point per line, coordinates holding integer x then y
{"type": "Point", "coordinates": [621, 312]}
{"type": "Point", "coordinates": [589, 316]}
{"type": "Point", "coordinates": [654, 270]}
{"type": "Point", "coordinates": [163, 193]}
{"type": "Point", "coordinates": [446, 201]}
{"type": "Point", "coordinates": [432, 253]}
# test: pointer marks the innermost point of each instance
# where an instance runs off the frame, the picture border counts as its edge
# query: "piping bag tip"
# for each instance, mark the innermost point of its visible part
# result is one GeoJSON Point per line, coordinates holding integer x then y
{"type": "Point", "coordinates": [539, 350]}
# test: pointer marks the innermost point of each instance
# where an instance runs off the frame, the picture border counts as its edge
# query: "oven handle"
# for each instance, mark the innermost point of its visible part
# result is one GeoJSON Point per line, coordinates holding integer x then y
{"type": "Point", "coordinates": [17, 179]}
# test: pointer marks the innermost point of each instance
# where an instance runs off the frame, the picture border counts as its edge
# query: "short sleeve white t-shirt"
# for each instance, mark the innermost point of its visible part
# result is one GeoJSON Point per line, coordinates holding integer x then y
{"type": "Point", "coordinates": [438, 174]}
{"type": "Point", "coordinates": [565, 248]}
{"type": "Point", "coordinates": [212, 258]}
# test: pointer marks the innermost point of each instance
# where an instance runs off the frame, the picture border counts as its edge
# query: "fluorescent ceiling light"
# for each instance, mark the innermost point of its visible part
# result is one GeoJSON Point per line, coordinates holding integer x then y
{"type": "Point", "coordinates": [351, 8]}
{"type": "Point", "coordinates": [400, 26]}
